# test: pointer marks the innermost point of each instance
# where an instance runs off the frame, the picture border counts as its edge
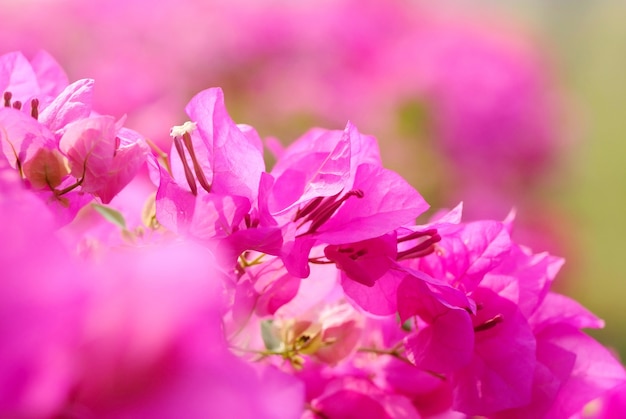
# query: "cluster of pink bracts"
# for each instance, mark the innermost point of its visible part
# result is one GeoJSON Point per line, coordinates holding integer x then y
{"type": "Point", "coordinates": [305, 291]}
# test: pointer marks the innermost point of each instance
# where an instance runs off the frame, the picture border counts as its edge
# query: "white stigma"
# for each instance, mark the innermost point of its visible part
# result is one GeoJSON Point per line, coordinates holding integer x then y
{"type": "Point", "coordinates": [180, 130]}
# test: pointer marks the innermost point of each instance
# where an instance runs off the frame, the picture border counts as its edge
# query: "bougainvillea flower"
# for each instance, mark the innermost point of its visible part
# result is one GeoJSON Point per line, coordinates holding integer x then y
{"type": "Point", "coordinates": [59, 149]}
{"type": "Point", "coordinates": [214, 155]}
{"type": "Point", "coordinates": [22, 80]}
{"type": "Point", "coordinates": [367, 261]}
{"type": "Point", "coordinates": [103, 157]}
{"type": "Point", "coordinates": [372, 271]}
{"type": "Point", "coordinates": [72, 104]}
{"type": "Point", "coordinates": [571, 369]}
{"type": "Point", "coordinates": [22, 137]}
{"type": "Point", "coordinates": [211, 177]}
{"type": "Point", "coordinates": [309, 194]}
{"type": "Point", "coordinates": [444, 345]}
{"type": "Point", "coordinates": [585, 369]}
{"type": "Point", "coordinates": [234, 156]}
{"type": "Point", "coordinates": [503, 358]}
{"type": "Point", "coordinates": [335, 196]}
{"type": "Point", "coordinates": [466, 252]}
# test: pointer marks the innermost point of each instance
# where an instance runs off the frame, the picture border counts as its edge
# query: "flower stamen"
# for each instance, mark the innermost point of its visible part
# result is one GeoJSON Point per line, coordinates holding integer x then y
{"type": "Point", "coordinates": [421, 249]}
{"type": "Point", "coordinates": [320, 209]}
{"type": "Point", "coordinates": [492, 322]}
{"type": "Point", "coordinates": [188, 174]}
{"type": "Point", "coordinates": [182, 140]}
{"type": "Point", "coordinates": [196, 165]}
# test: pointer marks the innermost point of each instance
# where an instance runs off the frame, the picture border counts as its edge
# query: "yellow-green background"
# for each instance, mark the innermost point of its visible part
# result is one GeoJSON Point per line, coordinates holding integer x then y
{"type": "Point", "coordinates": [587, 42]}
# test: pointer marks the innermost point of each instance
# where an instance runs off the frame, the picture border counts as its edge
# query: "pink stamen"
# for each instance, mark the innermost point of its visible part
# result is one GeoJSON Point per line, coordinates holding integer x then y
{"type": "Point", "coordinates": [322, 212]}
{"type": "Point", "coordinates": [196, 165]}
{"type": "Point", "coordinates": [188, 174]}
{"type": "Point", "coordinates": [308, 208]}
{"type": "Point", "coordinates": [423, 248]}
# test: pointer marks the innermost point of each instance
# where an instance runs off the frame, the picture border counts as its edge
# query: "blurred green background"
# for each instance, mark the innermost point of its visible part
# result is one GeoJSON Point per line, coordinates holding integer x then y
{"type": "Point", "coordinates": [587, 41]}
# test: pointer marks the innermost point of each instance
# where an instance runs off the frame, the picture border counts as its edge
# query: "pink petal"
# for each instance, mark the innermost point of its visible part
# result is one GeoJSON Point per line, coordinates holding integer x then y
{"type": "Point", "coordinates": [50, 75]}
{"type": "Point", "coordinates": [388, 202]}
{"type": "Point", "coordinates": [443, 346]}
{"type": "Point", "coordinates": [73, 103]}
{"type": "Point", "coordinates": [234, 157]}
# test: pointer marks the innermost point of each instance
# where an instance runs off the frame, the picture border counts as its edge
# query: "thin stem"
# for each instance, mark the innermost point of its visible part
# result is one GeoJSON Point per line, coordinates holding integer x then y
{"type": "Point", "coordinates": [392, 352]}
{"type": "Point", "coordinates": [69, 188]}
{"type": "Point", "coordinates": [162, 155]}
{"type": "Point", "coordinates": [256, 261]}
{"type": "Point", "coordinates": [395, 352]}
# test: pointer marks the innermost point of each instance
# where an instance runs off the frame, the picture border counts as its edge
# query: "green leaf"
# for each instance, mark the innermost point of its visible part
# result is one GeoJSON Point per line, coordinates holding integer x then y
{"type": "Point", "coordinates": [407, 325]}
{"type": "Point", "coordinates": [111, 215]}
{"type": "Point", "coordinates": [271, 341]}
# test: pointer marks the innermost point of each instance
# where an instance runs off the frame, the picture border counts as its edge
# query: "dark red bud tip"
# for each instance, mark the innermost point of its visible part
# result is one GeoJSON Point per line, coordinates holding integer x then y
{"type": "Point", "coordinates": [7, 98]}
{"type": "Point", "coordinates": [34, 109]}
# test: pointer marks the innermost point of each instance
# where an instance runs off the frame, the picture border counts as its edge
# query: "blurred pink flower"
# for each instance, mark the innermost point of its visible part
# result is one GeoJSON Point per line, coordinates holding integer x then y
{"type": "Point", "coordinates": [131, 331]}
{"type": "Point", "coordinates": [493, 108]}
{"type": "Point", "coordinates": [488, 95]}
{"type": "Point", "coordinates": [154, 346]}
{"type": "Point", "coordinates": [43, 299]}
